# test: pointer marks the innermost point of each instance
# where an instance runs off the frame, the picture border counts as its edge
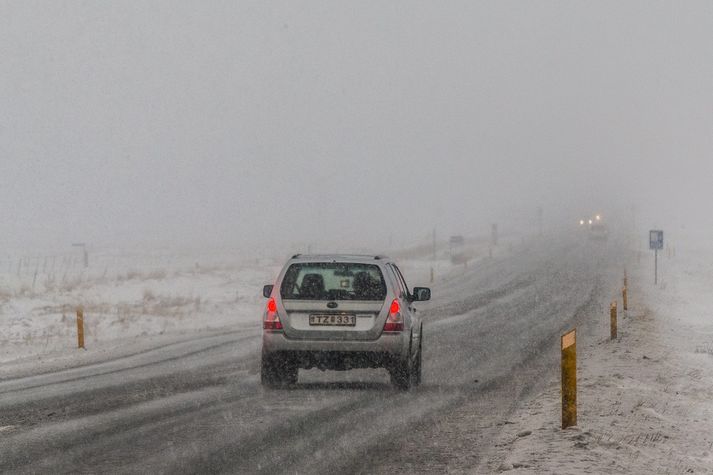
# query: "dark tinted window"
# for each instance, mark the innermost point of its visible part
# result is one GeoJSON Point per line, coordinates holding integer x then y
{"type": "Point", "coordinates": [333, 281]}
{"type": "Point", "coordinates": [403, 281]}
{"type": "Point", "coordinates": [396, 279]}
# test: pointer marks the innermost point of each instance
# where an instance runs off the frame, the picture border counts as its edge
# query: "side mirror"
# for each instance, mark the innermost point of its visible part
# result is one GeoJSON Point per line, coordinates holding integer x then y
{"type": "Point", "coordinates": [267, 291]}
{"type": "Point", "coordinates": [421, 294]}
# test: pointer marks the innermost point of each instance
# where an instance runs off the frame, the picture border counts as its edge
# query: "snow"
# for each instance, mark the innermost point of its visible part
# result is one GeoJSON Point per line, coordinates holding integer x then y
{"type": "Point", "coordinates": [645, 400]}
{"type": "Point", "coordinates": [126, 296]}
{"type": "Point", "coordinates": [135, 299]}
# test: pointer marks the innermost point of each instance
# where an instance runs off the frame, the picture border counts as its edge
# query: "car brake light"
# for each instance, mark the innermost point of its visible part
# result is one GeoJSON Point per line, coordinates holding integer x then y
{"type": "Point", "coordinates": [394, 322]}
{"type": "Point", "coordinates": [272, 319]}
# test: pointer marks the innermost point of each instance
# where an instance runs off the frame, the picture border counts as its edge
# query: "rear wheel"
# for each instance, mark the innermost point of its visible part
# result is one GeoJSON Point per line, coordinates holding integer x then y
{"type": "Point", "coordinates": [400, 372]}
{"type": "Point", "coordinates": [277, 372]}
{"type": "Point", "coordinates": [418, 364]}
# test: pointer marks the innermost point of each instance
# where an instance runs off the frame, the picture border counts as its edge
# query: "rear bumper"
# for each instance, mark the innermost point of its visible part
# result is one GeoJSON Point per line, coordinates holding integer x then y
{"type": "Point", "coordinates": [331, 354]}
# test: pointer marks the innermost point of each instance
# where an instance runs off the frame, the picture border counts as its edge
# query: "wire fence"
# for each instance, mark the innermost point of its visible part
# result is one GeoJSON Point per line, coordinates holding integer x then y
{"type": "Point", "coordinates": [64, 271]}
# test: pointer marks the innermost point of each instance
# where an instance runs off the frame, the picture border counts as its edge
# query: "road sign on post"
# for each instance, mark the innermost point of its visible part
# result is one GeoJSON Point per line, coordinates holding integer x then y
{"type": "Point", "coordinates": [656, 243]}
{"type": "Point", "coordinates": [656, 239]}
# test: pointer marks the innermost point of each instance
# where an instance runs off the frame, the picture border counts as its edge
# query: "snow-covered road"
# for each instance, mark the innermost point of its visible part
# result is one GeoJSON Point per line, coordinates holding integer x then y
{"type": "Point", "coordinates": [193, 404]}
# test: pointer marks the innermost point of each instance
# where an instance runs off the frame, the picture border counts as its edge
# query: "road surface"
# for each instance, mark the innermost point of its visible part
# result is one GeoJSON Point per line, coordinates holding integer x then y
{"type": "Point", "coordinates": [195, 404]}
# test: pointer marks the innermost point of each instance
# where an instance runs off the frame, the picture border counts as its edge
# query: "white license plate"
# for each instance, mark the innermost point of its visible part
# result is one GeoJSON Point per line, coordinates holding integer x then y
{"type": "Point", "coordinates": [333, 320]}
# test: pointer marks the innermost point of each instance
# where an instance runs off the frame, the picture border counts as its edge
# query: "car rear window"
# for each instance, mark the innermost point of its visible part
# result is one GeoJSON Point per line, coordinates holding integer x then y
{"type": "Point", "coordinates": [333, 281]}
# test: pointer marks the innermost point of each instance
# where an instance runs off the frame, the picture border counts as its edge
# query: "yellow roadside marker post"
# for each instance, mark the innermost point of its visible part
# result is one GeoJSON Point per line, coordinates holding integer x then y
{"type": "Point", "coordinates": [612, 317]}
{"type": "Point", "coordinates": [569, 379]}
{"type": "Point", "coordinates": [80, 327]}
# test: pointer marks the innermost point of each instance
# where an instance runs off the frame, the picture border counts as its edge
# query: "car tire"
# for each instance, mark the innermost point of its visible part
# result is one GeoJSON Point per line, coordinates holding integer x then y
{"type": "Point", "coordinates": [418, 365]}
{"type": "Point", "coordinates": [277, 372]}
{"type": "Point", "coordinates": [401, 372]}
{"type": "Point", "coordinates": [401, 375]}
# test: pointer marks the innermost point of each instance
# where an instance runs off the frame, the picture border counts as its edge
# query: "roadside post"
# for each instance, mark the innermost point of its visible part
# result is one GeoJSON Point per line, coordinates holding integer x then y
{"type": "Point", "coordinates": [85, 254]}
{"type": "Point", "coordinates": [80, 327]}
{"type": "Point", "coordinates": [656, 244]}
{"type": "Point", "coordinates": [612, 320]}
{"type": "Point", "coordinates": [569, 378]}
{"type": "Point", "coordinates": [625, 297]}
{"type": "Point", "coordinates": [540, 214]}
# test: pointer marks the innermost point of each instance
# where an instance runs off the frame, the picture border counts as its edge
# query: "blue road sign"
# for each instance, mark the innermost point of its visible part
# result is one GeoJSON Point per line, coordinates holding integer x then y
{"type": "Point", "coordinates": [655, 239]}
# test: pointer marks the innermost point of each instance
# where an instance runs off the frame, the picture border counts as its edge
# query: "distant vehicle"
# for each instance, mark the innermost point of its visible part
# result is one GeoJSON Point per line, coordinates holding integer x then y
{"type": "Point", "coordinates": [456, 243]}
{"type": "Point", "coordinates": [456, 249]}
{"type": "Point", "coordinates": [338, 312]}
{"type": "Point", "coordinates": [598, 231]}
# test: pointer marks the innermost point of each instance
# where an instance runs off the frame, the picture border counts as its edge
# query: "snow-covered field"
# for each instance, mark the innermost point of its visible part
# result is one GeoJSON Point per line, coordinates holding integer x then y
{"type": "Point", "coordinates": [125, 296]}
{"type": "Point", "coordinates": [131, 297]}
{"type": "Point", "coordinates": [645, 401]}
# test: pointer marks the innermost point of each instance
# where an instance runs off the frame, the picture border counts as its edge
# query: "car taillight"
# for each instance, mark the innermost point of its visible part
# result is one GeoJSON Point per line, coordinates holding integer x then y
{"type": "Point", "coordinates": [394, 322]}
{"type": "Point", "coordinates": [272, 319]}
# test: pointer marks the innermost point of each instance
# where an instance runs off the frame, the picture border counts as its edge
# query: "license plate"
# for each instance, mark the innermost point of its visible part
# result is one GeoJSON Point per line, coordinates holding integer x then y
{"type": "Point", "coordinates": [333, 320]}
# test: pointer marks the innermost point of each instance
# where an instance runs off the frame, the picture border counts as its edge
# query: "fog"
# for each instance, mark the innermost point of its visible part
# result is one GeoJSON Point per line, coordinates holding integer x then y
{"type": "Point", "coordinates": [237, 123]}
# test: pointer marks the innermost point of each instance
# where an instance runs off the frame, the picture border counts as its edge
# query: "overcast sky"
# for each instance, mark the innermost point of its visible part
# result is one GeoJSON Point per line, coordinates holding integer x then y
{"type": "Point", "coordinates": [240, 122]}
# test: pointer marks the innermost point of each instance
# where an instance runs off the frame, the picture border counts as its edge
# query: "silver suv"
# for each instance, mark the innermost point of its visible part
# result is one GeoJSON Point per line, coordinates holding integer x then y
{"type": "Point", "coordinates": [340, 312]}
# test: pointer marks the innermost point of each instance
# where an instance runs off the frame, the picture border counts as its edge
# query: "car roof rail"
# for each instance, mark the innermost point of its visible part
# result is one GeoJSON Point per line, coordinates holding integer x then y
{"type": "Point", "coordinates": [341, 256]}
